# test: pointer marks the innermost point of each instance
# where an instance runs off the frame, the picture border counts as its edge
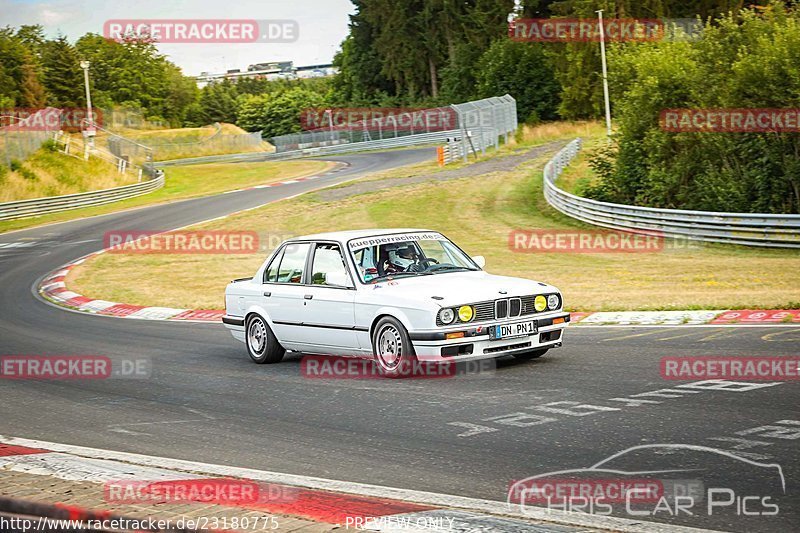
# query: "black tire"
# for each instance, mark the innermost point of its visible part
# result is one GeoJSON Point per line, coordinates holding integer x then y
{"type": "Point", "coordinates": [527, 356]}
{"type": "Point", "coordinates": [392, 349]}
{"type": "Point", "coordinates": [262, 346]}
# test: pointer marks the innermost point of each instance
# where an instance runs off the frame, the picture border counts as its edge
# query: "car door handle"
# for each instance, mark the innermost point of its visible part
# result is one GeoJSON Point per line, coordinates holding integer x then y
{"type": "Point", "coordinates": [308, 296]}
{"type": "Point", "coordinates": [267, 294]}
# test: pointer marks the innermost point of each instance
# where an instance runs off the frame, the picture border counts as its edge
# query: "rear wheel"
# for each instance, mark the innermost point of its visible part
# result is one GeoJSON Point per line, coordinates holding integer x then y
{"type": "Point", "coordinates": [394, 354]}
{"type": "Point", "coordinates": [533, 354]}
{"type": "Point", "coordinates": [262, 345]}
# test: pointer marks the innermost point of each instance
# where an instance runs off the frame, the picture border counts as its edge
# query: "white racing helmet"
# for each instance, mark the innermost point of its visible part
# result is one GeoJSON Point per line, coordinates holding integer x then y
{"type": "Point", "coordinates": [402, 256]}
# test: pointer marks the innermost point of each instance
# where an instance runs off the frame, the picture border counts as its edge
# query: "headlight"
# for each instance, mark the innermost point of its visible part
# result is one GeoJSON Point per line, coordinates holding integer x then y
{"type": "Point", "coordinates": [465, 313]}
{"type": "Point", "coordinates": [446, 316]}
{"type": "Point", "coordinates": [552, 302]}
{"type": "Point", "coordinates": [540, 303]}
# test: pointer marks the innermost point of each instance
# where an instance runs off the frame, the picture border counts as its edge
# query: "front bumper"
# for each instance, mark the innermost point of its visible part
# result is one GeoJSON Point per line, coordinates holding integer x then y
{"type": "Point", "coordinates": [433, 345]}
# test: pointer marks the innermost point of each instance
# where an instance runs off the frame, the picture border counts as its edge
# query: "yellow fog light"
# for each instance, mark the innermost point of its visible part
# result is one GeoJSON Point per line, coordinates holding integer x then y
{"type": "Point", "coordinates": [465, 313]}
{"type": "Point", "coordinates": [540, 303]}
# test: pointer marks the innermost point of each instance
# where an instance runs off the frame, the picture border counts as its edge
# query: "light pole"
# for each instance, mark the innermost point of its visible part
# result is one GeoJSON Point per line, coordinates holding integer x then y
{"type": "Point", "coordinates": [605, 72]}
{"type": "Point", "coordinates": [90, 117]}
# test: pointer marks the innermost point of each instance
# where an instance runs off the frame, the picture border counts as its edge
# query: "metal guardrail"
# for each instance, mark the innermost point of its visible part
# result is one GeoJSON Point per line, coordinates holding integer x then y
{"type": "Point", "coordinates": [52, 204]}
{"type": "Point", "coordinates": [749, 229]}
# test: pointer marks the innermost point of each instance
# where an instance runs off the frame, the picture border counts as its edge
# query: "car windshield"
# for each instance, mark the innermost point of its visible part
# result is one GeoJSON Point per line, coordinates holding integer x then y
{"type": "Point", "coordinates": [414, 254]}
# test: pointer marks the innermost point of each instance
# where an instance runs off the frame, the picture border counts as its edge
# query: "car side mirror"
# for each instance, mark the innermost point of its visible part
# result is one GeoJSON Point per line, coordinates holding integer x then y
{"type": "Point", "coordinates": [479, 260]}
{"type": "Point", "coordinates": [340, 279]}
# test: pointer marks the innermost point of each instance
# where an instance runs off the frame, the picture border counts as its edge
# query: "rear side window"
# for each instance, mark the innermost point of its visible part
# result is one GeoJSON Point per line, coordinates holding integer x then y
{"type": "Point", "coordinates": [292, 263]}
{"type": "Point", "coordinates": [271, 273]}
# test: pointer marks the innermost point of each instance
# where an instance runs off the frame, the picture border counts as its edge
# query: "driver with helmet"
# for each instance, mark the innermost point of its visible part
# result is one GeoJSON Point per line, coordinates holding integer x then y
{"type": "Point", "coordinates": [403, 258]}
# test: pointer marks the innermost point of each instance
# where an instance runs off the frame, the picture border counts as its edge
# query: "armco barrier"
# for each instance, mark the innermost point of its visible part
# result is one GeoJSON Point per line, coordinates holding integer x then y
{"type": "Point", "coordinates": [43, 206]}
{"type": "Point", "coordinates": [750, 229]}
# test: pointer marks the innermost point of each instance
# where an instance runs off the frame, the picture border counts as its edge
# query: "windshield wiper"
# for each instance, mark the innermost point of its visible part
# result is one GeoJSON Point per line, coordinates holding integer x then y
{"type": "Point", "coordinates": [397, 274]}
{"type": "Point", "coordinates": [441, 268]}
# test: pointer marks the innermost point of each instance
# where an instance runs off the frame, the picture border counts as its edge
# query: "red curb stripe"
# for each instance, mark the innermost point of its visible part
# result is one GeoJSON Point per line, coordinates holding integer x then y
{"type": "Point", "coordinates": [56, 290]}
{"type": "Point", "coordinates": [121, 310]}
{"type": "Point", "coordinates": [7, 450]}
{"type": "Point", "coordinates": [334, 508]}
{"type": "Point", "coordinates": [211, 315]}
{"type": "Point", "coordinates": [750, 316]}
{"type": "Point", "coordinates": [78, 301]}
{"type": "Point", "coordinates": [577, 317]}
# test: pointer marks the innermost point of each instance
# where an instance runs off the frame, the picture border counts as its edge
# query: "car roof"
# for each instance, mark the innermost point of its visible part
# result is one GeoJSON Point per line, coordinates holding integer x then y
{"type": "Point", "coordinates": [344, 236]}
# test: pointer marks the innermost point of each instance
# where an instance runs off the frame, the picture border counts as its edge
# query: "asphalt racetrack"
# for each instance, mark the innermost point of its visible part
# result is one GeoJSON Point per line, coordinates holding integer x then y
{"type": "Point", "coordinates": [472, 435]}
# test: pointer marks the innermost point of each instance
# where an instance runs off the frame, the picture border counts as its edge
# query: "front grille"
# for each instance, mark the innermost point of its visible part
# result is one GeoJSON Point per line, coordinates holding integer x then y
{"type": "Point", "coordinates": [499, 309]}
{"type": "Point", "coordinates": [507, 348]}
{"type": "Point", "coordinates": [527, 305]}
{"type": "Point", "coordinates": [484, 311]}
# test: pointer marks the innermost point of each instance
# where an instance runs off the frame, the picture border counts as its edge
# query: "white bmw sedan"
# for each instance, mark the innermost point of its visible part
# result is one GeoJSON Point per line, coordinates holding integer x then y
{"type": "Point", "coordinates": [398, 295]}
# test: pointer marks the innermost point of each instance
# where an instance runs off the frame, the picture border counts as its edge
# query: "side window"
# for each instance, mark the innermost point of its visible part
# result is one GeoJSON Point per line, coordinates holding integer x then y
{"type": "Point", "coordinates": [293, 263]}
{"type": "Point", "coordinates": [328, 267]}
{"type": "Point", "coordinates": [271, 272]}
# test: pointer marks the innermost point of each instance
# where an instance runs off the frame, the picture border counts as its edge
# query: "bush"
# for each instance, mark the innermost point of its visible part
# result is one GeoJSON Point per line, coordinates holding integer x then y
{"type": "Point", "coordinates": [744, 60]}
{"type": "Point", "coordinates": [50, 145]}
{"type": "Point", "coordinates": [19, 168]}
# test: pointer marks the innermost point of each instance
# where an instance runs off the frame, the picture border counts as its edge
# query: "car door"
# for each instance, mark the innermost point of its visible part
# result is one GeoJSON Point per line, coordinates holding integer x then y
{"type": "Point", "coordinates": [283, 292]}
{"type": "Point", "coordinates": [328, 313]}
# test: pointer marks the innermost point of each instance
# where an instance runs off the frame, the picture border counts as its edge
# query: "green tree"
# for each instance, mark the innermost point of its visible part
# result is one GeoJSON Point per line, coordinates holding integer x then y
{"type": "Point", "coordinates": [63, 77]}
{"type": "Point", "coordinates": [525, 72]}
{"type": "Point", "coordinates": [277, 114]}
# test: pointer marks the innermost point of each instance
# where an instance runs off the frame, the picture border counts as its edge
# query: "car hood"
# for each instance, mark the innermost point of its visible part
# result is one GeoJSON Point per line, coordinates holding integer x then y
{"type": "Point", "coordinates": [455, 288]}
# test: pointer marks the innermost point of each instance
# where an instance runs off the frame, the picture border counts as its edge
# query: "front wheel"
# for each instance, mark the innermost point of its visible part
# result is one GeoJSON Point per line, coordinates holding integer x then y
{"type": "Point", "coordinates": [394, 354]}
{"type": "Point", "coordinates": [262, 345]}
{"type": "Point", "coordinates": [527, 356]}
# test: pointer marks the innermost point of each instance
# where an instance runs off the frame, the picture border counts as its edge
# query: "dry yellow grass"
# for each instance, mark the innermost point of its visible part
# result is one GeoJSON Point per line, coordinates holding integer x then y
{"type": "Point", "coordinates": [479, 214]}
{"type": "Point", "coordinates": [52, 174]}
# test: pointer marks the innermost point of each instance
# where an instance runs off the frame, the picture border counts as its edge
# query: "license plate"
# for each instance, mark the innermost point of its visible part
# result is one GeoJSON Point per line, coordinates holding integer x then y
{"type": "Point", "coordinates": [518, 329]}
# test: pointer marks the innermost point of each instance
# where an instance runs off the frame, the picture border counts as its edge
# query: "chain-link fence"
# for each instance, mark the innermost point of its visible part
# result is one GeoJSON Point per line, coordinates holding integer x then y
{"type": "Point", "coordinates": [19, 138]}
{"type": "Point", "coordinates": [482, 122]}
{"type": "Point", "coordinates": [356, 125]}
{"type": "Point", "coordinates": [151, 149]}
{"type": "Point", "coordinates": [479, 125]}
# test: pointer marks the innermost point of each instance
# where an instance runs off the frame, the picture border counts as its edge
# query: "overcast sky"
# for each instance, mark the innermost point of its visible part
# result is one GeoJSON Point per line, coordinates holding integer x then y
{"type": "Point", "coordinates": [322, 23]}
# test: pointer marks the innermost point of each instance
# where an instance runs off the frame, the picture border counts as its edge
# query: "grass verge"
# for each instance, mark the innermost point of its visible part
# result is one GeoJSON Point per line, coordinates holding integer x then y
{"type": "Point", "coordinates": [50, 173]}
{"type": "Point", "coordinates": [478, 213]}
{"type": "Point", "coordinates": [188, 182]}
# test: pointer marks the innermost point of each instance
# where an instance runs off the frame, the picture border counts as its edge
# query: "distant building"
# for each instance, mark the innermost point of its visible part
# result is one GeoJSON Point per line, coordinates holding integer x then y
{"type": "Point", "coordinates": [283, 66]}
{"type": "Point", "coordinates": [271, 71]}
{"type": "Point", "coordinates": [315, 71]}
